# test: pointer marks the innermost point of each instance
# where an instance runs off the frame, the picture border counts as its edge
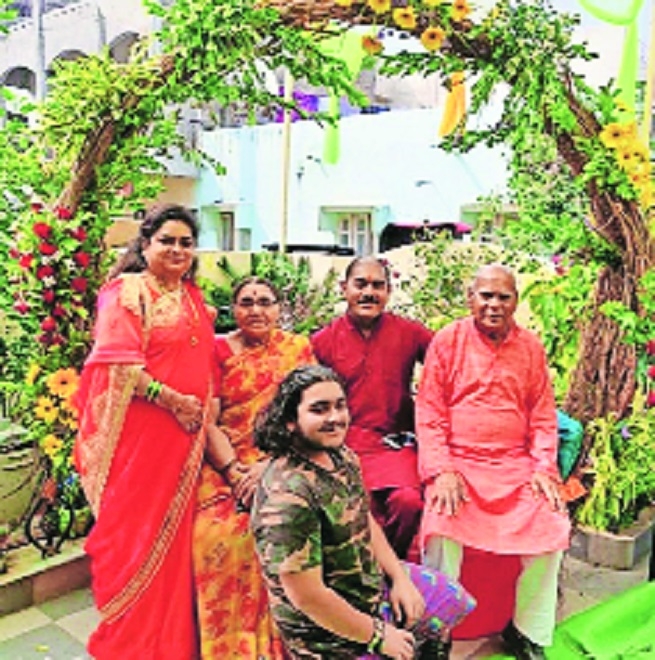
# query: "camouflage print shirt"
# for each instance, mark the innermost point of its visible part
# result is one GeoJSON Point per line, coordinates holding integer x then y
{"type": "Point", "coordinates": [306, 516]}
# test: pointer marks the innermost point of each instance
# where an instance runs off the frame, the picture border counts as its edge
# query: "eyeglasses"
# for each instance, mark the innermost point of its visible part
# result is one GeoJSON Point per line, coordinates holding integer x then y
{"type": "Point", "coordinates": [248, 303]}
{"type": "Point", "coordinates": [185, 242]}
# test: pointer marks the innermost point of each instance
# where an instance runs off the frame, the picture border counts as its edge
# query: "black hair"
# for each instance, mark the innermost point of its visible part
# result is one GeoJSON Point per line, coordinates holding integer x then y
{"type": "Point", "coordinates": [272, 434]}
{"type": "Point", "coordinates": [383, 263]}
{"type": "Point", "coordinates": [254, 279]}
{"type": "Point", "coordinates": [132, 260]}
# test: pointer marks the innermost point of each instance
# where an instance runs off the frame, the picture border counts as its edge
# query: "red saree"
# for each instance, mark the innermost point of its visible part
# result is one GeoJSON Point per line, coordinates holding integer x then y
{"type": "Point", "coordinates": [139, 468]}
{"type": "Point", "coordinates": [235, 621]}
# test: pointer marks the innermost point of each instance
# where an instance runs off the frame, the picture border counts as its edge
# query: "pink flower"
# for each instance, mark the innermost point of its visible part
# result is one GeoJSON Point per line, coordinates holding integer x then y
{"type": "Point", "coordinates": [651, 371]}
{"type": "Point", "coordinates": [48, 324]}
{"type": "Point", "coordinates": [25, 261]}
{"type": "Point", "coordinates": [58, 311]}
{"type": "Point", "coordinates": [79, 284]}
{"type": "Point", "coordinates": [650, 347]}
{"type": "Point", "coordinates": [49, 296]}
{"type": "Point", "coordinates": [44, 271]}
{"type": "Point", "coordinates": [42, 229]}
{"type": "Point", "coordinates": [650, 400]}
{"type": "Point", "coordinates": [63, 212]}
{"type": "Point", "coordinates": [21, 307]}
{"type": "Point", "coordinates": [47, 249]}
{"type": "Point", "coordinates": [82, 259]}
{"type": "Point", "coordinates": [79, 233]}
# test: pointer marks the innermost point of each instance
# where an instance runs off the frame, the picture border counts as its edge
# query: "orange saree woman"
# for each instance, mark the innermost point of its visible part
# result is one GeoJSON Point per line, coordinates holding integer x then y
{"type": "Point", "coordinates": [233, 606]}
{"type": "Point", "coordinates": [139, 457]}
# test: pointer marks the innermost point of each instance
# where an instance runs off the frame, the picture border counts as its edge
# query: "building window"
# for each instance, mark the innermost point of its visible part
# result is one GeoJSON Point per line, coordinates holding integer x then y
{"type": "Point", "coordinates": [354, 230]}
{"type": "Point", "coordinates": [245, 240]}
{"type": "Point", "coordinates": [225, 231]}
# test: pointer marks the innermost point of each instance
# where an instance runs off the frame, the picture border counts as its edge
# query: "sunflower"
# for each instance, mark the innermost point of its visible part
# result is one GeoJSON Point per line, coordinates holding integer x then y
{"type": "Point", "coordinates": [405, 18]}
{"type": "Point", "coordinates": [51, 445]}
{"type": "Point", "coordinates": [613, 135]}
{"type": "Point", "coordinates": [46, 409]}
{"type": "Point", "coordinates": [432, 38]}
{"type": "Point", "coordinates": [460, 10]}
{"type": "Point", "coordinates": [379, 6]}
{"type": "Point", "coordinates": [32, 373]}
{"type": "Point", "coordinates": [372, 45]}
{"type": "Point", "coordinates": [63, 382]}
{"type": "Point", "coordinates": [625, 158]}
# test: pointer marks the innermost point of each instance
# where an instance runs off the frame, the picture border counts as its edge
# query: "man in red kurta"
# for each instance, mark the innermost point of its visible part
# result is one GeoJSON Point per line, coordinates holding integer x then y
{"type": "Point", "coordinates": [487, 435]}
{"type": "Point", "coordinates": [375, 352]}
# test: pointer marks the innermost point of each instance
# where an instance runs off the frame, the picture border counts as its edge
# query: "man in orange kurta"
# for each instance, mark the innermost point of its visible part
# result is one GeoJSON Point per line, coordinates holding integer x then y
{"type": "Point", "coordinates": [487, 435]}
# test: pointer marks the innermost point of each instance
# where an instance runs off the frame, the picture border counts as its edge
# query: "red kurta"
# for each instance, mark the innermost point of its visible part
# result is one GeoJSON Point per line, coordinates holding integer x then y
{"type": "Point", "coordinates": [378, 375]}
{"type": "Point", "coordinates": [488, 413]}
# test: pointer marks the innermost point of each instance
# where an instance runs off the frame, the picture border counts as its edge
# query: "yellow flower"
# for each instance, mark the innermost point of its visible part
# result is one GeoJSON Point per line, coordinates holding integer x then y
{"type": "Point", "coordinates": [63, 382]}
{"type": "Point", "coordinates": [46, 409]}
{"type": "Point", "coordinates": [625, 158]}
{"type": "Point", "coordinates": [613, 135]}
{"type": "Point", "coordinates": [32, 373]}
{"type": "Point", "coordinates": [51, 445]}
{"type": "Point", "coordinates": [379, 6]}
{"type": "Point", "coordinates": [432, 3]}
{"type": "Point", "coordinates": [432, 38]}
{"type": "Point", "coordinates": [460, 10]}
{"type": "Point", "coordinates": [344, 3]}
{"type": "Point", "coordinates": [405, 18]}
{"type": "Point", "coordinates": [372, 45]}
{"type": "Point", "coordinates": [71, 423]}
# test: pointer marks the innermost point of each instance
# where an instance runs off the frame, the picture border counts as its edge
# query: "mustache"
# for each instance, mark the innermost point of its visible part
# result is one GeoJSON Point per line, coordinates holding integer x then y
{"type": "Point", "coordinates": [364, 300]}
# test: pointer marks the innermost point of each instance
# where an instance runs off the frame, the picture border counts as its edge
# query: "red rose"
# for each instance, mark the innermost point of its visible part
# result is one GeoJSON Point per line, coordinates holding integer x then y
{"type": "Point", "coordinates": [79, 234]}
{"type": "Point", "coordinates": [47, 249]}
{"type": "Point", "coordinates": [63, 213]}
{"type": "Point", "coordinates": [42, 229]}
{"type": "Point", "coordinates": [651, 371]}
{"type": "Point", "coordinates": [21, 307]}
{"type": "Point", "coordinates": [25, 261]}
{"type": "Point", "coordinates": [79, 284]}
{"type": "Point", "coordinates": [14, 253]}
{"type": "Point", "coordinates": [82, 259]}
{"type": "Point", "coordinates": [650, 347]}
{"type": "Point", "coordinates": [45, 339]}
{"type": "Point", "coordinates": [48, 324]}
{"type": "Point", "coordinates": [36, 207]}
{"type": "Point", "coordinates": [58, 311]}
{"type": "Point", "coordinates": [650, 400]}
{"type": "Point", "coordinates": [49, 296]}
{"type": "Point", "coordinates": [44, 271]}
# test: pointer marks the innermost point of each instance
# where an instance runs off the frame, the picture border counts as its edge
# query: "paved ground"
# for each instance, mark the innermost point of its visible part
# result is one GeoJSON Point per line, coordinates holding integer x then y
{"type": "Point", "coordinates": [58, 629]}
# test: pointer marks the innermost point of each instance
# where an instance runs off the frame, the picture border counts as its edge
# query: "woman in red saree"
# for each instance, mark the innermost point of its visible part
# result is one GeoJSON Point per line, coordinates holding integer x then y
{"type": "Point", "coordinates": [235, 621]}
{"type": "Point", "coordinates": [145, 396]}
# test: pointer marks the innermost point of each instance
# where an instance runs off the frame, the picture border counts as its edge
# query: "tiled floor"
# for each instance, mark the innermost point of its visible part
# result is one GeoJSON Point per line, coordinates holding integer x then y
{"type": "Point", "coordinates": [59, 628]}
{"type": "Point", "coordinates": [55, 630]}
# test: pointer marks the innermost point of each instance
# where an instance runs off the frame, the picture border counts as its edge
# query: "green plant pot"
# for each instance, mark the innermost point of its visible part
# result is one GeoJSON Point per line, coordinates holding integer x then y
{"type": "Point", "coordinates": [20, 473]}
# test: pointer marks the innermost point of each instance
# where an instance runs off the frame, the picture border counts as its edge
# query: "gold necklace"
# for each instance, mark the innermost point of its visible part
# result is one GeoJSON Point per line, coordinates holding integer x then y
{"type": "Point", "coordinates": [194, 321]}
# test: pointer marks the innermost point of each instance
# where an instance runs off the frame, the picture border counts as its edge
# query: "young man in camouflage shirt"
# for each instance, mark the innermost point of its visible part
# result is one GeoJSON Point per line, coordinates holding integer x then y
{"type": "Point", "coordinates": [323, 555]}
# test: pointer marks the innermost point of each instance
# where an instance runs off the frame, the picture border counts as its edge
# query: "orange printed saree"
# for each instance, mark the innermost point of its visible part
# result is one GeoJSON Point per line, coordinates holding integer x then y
{"type": "Point", "coordinates": [232, 603]}
{"type": "Point", "coordinates": [139, 468]}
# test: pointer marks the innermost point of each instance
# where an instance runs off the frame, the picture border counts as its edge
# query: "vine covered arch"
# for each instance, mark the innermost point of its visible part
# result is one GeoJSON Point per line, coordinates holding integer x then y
{"type": "Point", "coordinates": [104, 124]}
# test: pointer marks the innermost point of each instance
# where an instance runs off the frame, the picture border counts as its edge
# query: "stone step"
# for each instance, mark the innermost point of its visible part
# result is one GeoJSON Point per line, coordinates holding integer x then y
{"type": "Point", "coordinates": [31, 579]}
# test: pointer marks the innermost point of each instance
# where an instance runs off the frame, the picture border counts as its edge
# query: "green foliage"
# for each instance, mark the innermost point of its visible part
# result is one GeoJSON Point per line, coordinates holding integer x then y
{"type": "Point", "coordinates": [622, 467]}
{"type": "Point", "coordinates": [306, 305]}
{"type": "Point", "coordinates": [561, 306]}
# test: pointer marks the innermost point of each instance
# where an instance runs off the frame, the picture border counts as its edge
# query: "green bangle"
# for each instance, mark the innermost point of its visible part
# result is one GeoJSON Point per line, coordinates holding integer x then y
{"type": "Point", "coordinates": [153, 390]}
{"type": "Point", "coordinates": [377, 638]}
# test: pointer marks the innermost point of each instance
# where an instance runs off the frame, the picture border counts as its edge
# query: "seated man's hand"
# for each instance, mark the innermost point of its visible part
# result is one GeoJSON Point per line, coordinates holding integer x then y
{"type": "Point", "coordinates": [543, 484]}
{"type": "Point", "coordinates": [448, 493]}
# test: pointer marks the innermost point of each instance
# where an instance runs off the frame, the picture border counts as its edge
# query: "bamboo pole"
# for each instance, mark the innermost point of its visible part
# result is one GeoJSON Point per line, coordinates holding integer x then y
{"type": "Point", "coordinates": [286, 161]}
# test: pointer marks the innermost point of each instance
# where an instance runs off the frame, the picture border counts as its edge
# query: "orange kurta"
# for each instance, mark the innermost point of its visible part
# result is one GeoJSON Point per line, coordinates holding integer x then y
{"type": "Point", "coordinates": [488, 413]}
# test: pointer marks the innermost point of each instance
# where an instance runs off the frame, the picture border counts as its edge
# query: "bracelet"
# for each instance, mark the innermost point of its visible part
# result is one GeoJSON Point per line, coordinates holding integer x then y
{"type": "Point", "coordinates": [377, 638]}
{"type": "Point", "coordinates": [153, 390]}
